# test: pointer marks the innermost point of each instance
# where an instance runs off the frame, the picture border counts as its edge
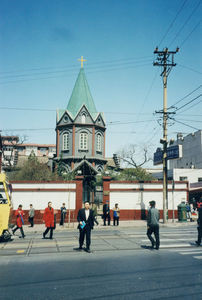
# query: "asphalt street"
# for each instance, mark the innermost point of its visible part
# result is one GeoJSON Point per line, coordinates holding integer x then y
{"type": "Point", "coordinates": [120, 266]}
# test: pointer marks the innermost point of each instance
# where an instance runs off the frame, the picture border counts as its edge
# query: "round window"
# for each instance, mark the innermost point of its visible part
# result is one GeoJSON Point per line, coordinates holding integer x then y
{"type": "Point", "coordinates": [66, 118]}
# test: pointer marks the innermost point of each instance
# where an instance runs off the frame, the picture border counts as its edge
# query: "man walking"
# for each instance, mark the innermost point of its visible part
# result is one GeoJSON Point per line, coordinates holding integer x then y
{"type": "Point", "coordinates": [86, 223]}
{"type": "Point", "coordinates": [31, 216]}
{"type": "Point", "coordinates": [153, 225]}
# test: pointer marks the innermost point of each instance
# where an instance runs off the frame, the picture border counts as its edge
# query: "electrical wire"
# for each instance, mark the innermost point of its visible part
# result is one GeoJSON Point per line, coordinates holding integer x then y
{"type": "Point", "coordinates": [42, 129]}
{"type": "Point", "coordinates": [191, 106]}
{"type": "Point", "coordinates": [196, 121]}
{"type": "Point", "coordinates": [184, 124]}
{"type": "Point", "coordinates": [75, 66]}
{"type": "Point", "coordinates": [173, 21]}
{"type": "Point", "coordinates": [70, 69]}
{"type": "Point", "coordinates": [185, 23]}
{"type": "Point", "coordinates": [54, 110]}
{"type": "Point", "coordinates": [177, 109]}
{"type": "Point", "coordinates": [188, 36]}
{"type": "Point", "coordinates": [67, 75]}
{"type": "Point", "coordinates": [189, 68]}
{"type": "Point", "coordinates": [185, 96]}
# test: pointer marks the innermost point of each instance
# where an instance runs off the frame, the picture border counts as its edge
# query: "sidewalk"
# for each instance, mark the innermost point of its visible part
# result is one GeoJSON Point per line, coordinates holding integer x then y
{"type": "Point", "coordinates": [122, 224]}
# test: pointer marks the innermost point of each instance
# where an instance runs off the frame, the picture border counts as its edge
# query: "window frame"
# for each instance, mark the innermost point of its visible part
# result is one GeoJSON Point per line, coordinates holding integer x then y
{"type": "Point", "coordinates": [65, 144]}
{"type": "Point", "coordinates": [99, 143]}
{"type": "Point", "coordinates": [83, 141]}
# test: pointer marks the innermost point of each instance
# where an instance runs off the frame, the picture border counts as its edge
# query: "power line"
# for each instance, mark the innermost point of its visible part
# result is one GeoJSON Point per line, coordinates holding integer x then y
{"type": "Point", "coordinates": [189, 115]}
{"type": "Point", "coordinates": [191, 107]}
{"type": "Point", "coordinates": [42, 129]}
{"type": "Point", "coordinates": [188, 102]}
{"type": "Point", "coordinates": [171, 24]}
{"type": "Point", "coordinates": [28, 129]}
{"type": "Point", "coordinates": [75, 66]}
{"type": "Point", "coordinates": [26, 109]}
{"type": "Point", "coordinates": [184, 124]}
{"type": "Point", "coordinates": [54, 110]}
{"type": "Point", "coordinates": [186, 21]}
{"type": "Point", "coordinates": [189, 68]}
{"type": "Point", "coordinates": [129, 122]}
{"type": "Point", "coordinates": [73, 69]}
{"type": "Point", "coordinates": [196, 121]}
{"type": "Point", "coordinates": [186, 96]}
{"type": "Point", "coordinates": [149, 91]}
{"type": "Point", "coordinates": [188, 36]}
{"type": "Point", "coordinates": [67, 75]}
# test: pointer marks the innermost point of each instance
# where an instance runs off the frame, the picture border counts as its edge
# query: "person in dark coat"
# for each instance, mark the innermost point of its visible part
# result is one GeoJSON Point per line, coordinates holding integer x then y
{"type": "Point", "coordinates": [153, 225]}
{"type": "Point", "coordinates": [106, 214]}
{"type": "Point", "coordinates": [86, 223]}
{"type": "Point", "coordinates": [48, 218]}
{"type": "Point", "coordinates": [19, 221]}
{"type": "Point", "coordinates": [199, 221]}
{"type": "Point", "coordinates": [63, 212]}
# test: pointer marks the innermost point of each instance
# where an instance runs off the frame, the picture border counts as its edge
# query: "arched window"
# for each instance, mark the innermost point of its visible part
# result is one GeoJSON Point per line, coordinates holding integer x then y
{"type": "Point", "coordinates": [83, 141]}
{"type": "Point", "coordinates": [65, 144]}
{"type": "Point", "coordinates": [99, 142]}
{"type": "Point", "coordinates": [83, 118]}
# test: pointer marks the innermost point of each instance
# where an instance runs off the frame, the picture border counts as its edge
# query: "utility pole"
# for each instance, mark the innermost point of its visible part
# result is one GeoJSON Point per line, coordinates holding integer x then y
{"type": "Point", "coordinates": [165, 59]}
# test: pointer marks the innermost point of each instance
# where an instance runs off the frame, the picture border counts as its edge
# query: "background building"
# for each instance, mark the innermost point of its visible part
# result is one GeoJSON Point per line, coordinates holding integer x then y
{"type": "Point", "coordinates": [191, 151]}
{"type": "Point", "coordinates": [15, 153]}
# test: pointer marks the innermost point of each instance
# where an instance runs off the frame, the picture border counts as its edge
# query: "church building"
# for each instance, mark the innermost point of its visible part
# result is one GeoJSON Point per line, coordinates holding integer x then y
{"type": "Point", "coordinates": [80, 132]}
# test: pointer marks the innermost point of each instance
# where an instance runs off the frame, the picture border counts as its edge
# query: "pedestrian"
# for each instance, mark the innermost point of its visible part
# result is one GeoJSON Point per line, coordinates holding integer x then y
{"type": "Point", "coordinates": [48, 218]}
{"type": "Point", "coordinates": [63, 212]}
{"type": "Point", "coordinates": [31, 216]}
{"type": "Point", "coordinates": [19, 221]}
{"type": "Point", "coordinates": [153, 225]}
{"type": "Point", "coordinates": [116, 214]}
{"type": "Point", "coordinates": [199, 221]}
{"type": "Point", "coordinates": [106, 214]}
{"type": "Point", "coordinates": [86, 223]}
{"type": "Point", "coordinates": [188, 208]}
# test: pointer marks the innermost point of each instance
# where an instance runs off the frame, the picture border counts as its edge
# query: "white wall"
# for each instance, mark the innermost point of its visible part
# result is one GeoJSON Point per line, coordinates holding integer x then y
{"type": "Point", "coordinates": [130, 200]}
{"type": "Point", "coordinates": [39, 199]}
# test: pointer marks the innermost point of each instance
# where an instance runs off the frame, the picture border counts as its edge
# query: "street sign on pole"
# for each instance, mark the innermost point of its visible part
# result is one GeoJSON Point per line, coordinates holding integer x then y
{"type": "Point", "coordinates": [173, 152]}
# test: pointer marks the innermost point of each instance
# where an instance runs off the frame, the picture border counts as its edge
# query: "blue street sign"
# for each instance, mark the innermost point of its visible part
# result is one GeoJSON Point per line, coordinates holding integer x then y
{"type": "Point", "coordinates": [173, 152]}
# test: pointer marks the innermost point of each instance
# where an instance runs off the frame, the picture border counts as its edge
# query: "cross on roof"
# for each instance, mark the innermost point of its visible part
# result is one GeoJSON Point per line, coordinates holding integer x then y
{"type": "Point", "coordinates": [82, 60]}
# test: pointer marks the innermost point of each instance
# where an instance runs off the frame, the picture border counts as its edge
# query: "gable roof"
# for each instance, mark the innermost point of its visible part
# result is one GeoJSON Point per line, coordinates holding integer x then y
{"type": "Point", "coordinates": [80, 96]}
{"type": "Point", "coordinates": [85, 166]}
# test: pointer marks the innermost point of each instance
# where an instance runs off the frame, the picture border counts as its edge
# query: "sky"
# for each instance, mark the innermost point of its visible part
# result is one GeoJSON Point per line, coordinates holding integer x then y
{"type": "Point", "coordinates": [42, 40]}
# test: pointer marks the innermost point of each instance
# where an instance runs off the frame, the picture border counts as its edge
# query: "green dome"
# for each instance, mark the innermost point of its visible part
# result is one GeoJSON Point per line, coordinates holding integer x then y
{"type": "Point", "coordinates": [80, 96]}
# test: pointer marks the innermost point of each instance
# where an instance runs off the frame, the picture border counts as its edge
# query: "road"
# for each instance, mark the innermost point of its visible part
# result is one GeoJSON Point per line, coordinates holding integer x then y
{"type": "Point", "coordinates": [118, 268]}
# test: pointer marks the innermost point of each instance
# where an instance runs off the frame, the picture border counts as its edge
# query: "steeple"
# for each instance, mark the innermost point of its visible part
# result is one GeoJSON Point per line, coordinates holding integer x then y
{"type": "Point", "coordinates": [80, 96]}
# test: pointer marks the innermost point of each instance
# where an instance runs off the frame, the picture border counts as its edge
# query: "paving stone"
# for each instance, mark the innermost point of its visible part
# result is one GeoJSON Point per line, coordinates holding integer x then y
{"type": "Point", "coordinates": [7, 252]}
{"type": "Point", "coordinates": [43, 250]}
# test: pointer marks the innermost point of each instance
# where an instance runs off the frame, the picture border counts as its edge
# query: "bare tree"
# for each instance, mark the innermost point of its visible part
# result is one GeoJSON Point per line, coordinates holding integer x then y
{"type": "Point", "coordinates": [134, 155]}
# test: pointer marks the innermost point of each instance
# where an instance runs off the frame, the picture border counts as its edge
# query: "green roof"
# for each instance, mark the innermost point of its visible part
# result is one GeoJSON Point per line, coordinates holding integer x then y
{"type": "Point", "coordinates": [80, 96]}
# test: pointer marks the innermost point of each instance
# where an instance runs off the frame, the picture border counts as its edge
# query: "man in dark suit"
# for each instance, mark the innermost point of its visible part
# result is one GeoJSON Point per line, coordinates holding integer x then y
{"type": "Point", "coordinates": [106, 214]}
{"type": "Point", "coordinates": [86, 223]}
{"type": "Point", "coordinates": [199, 221]}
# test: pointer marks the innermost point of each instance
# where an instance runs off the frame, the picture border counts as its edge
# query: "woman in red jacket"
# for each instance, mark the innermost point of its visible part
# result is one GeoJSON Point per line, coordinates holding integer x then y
{"type": "Point", "coordinates": [19, 221]}
{"type": "Point", "coordinates": [48, 218]}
